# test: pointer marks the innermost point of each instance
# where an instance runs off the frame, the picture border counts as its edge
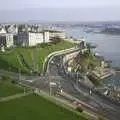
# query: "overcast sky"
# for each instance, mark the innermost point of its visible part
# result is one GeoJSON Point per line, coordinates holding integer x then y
{"type": "Point", "coordinates": [52, 10]}
{"type": "Point", "coordinates": [20, 4]}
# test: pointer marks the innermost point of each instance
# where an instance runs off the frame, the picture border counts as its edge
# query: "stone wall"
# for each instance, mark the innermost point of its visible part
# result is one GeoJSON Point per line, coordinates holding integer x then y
{"type": "Point", "coordinates": [69, 56]}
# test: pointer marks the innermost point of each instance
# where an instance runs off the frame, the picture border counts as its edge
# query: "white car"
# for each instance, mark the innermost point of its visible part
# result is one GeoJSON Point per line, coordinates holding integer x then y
{"type": "Point", "coordinates": [52, 62]}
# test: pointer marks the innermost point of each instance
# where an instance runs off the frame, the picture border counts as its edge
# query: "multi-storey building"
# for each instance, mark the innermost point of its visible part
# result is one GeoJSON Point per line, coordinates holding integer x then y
{"type": "Point", "coordinates": [46, 36]}
{"type": "Point", "coordinates": [28, 38]}
{"type": "Point", "coordinates": [6, 40]}
{"type": "Point", "coordinates": [55, 33]}
{"type": "Point", "coordinates": [13, 29]}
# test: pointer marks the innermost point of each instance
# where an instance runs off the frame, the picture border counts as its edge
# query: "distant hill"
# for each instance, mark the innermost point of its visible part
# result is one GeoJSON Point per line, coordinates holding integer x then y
{"type": "Point", "coordinates": [111, 31]}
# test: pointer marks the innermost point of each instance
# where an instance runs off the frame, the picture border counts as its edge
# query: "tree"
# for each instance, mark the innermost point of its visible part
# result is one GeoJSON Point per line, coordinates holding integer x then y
{"type": "Point", "coordinates": [82, 45]}
{"type": "Point", "coordinates": [90, 46]}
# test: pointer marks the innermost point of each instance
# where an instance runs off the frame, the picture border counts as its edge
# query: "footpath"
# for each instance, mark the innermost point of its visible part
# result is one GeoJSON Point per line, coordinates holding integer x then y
{"type": "Point", "coordinates": [4, 99]}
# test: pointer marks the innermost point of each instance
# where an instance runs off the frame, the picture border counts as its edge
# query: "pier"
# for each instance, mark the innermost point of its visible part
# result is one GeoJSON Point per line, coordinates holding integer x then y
{"type": "Point", "coordinates": [107, 72]}
{"type": "Point", "coordinates": [117, 71]}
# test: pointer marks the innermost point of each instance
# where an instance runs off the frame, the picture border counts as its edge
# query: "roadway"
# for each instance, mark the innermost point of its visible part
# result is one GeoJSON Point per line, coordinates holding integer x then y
{"type": "Point", "coordinates": [104, 105]}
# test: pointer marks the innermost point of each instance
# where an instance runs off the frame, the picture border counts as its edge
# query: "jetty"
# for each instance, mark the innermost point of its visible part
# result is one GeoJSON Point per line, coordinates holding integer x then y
{"type": "Point", "coordinates": [107, 73]}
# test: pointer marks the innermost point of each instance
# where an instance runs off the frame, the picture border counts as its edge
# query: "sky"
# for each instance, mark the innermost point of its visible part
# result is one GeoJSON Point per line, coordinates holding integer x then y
{"type": "Point", "coordinates": [21, 4]}
{"type": "Point", "coordinates": [59, 10]}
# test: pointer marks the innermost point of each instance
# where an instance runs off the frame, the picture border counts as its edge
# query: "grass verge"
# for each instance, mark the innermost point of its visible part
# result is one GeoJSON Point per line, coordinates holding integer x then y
{"type": "Point", "coordinates": [35, 108]}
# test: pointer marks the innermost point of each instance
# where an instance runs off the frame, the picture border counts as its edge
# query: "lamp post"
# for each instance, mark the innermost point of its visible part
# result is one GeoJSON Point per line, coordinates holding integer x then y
{"type": "Point", "coordinates": [19, 72]}
{"type": "Point", "coordinates": [50, 87]}
{"type": "Point", "coordinates": [77, 80]}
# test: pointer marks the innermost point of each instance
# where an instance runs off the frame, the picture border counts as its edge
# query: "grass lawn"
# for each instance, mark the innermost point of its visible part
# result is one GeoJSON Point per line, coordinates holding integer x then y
{"type": "Point", "coordinates": [8, 89]}
{"type": "Point", "coordinates": [33, 56]}
{"type": "Point", "coordinates": [35, 108]}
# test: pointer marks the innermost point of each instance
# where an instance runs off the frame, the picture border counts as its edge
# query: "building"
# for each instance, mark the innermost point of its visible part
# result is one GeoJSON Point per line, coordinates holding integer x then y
{"type": "Point", "coordinates": [80, 43]}
{"type": "Point", "coordinates": [55, 33]}
{"type": "Point", "coordinates": [2, 31]}
{"type": "Point", "coordinates": [29, 38]}
{"type": "Point", "coordinates": [6, 40]}
{"type": "Point", "coordinates": [46, 36]}
{"type": "Point", "coordinates": [13, 29]}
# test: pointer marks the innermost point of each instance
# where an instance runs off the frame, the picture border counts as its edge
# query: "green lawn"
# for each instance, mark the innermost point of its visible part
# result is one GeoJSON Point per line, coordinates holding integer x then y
{"type": "Point", "coordinates": [35, 108]}
{"type": "Point", "coordinates": [33, 57]}
{"type": "Point", "coordinates": [8, 89]}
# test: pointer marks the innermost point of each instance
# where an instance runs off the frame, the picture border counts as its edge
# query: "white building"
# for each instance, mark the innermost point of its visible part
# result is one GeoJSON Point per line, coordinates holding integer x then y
{"type": "Point", "coordinates": [13, 29]}
{"type": "Point", "coordinates": [27, 38]}
{"type": "Point", "coordinates": [2, 31]}
{"type": "Point", "coordinates": [6, 40]}
{"type": "Point", "coordinates": [81, 42]}
{"type": "Point", "coordinates": [9, 40]}
{"type": "Point", "coordinates": [46, 36]}
{"type": "Point", "coordinates": [60, 34]}
{"type": "Point", "coordinates": [35, 38]}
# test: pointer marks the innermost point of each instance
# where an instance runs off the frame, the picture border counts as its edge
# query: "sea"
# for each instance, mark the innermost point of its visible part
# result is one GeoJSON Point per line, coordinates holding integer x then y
{"type": "Point", "coordinates": [107, 46]}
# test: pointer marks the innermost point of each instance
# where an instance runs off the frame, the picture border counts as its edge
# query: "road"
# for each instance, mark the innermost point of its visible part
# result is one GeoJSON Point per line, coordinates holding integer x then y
{"type": "Point", "coordinates": [104, 105]}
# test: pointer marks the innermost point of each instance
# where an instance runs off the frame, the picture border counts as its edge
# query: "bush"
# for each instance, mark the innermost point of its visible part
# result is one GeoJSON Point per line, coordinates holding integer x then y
{"type": "Point", "coordinates": [95, 80]}
{"type": "Point", "coordinates": [5, 78]}
{"type": "Point", "coordinates": [43, 45]}
{"type": "Point", "coordinates": [79, 109]}
{"type": "Point", "coordinates": [14, 82]}
{"type": "Point", "coordinates": [56, 39]}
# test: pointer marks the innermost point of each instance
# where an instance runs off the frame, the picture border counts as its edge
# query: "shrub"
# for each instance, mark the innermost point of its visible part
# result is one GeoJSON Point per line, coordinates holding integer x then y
{"type": "Point", "coordinates": [79, 109]}
{"type": "Point", "coordinates": [5, 78]}
{"type": "Point", "coordinates": [56, 39]}
{"type": "Point", "coordinates": [14, 82]}
{"type": "Point", "coordinates": [43, 45]}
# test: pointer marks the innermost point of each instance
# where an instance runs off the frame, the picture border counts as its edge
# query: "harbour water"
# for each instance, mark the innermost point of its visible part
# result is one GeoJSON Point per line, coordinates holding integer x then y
{"type": "Point", "coordinates": [107, 46]}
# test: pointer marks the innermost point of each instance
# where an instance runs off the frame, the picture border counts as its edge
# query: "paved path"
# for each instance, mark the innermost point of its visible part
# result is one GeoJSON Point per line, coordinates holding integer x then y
{"type": "Point", "coordinates": [3, 99]}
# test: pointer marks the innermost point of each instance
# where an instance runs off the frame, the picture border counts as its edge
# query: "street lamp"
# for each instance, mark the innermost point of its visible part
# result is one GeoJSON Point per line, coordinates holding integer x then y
{"type": "Point", "coordinates": [19, 74]}
{"type": "Point", "coordinates": [50, 87]}
{"type": "Point", "coordinates": [77, 80]}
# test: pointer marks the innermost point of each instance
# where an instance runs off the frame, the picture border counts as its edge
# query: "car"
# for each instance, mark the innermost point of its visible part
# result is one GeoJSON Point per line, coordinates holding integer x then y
{"type": "Point", "coordinates": [52, 62]}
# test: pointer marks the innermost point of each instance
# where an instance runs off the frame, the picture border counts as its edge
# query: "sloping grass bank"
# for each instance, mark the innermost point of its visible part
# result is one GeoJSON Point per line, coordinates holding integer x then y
{"type": "Point", "coordinates": [33, 57]}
